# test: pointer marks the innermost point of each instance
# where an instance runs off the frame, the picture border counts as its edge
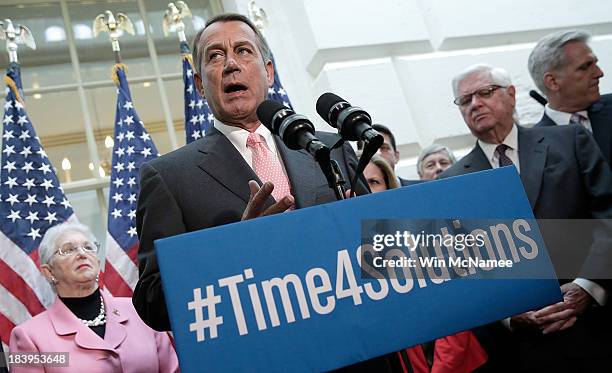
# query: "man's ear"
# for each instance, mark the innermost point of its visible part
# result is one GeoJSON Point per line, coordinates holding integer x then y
{"type": "Point", "coordinates": [270, 73]}
{"type": "Point", "coordinates": [550, 82]}
{"type": "Point", "coordinates": [198, 83]}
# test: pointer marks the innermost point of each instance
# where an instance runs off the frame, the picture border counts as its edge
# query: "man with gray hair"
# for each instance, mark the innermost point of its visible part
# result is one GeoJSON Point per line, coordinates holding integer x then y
{"type": "Point", "coordinates": [560, 183]}
{"type": "Point", "coordinates": [434, 160]}
{"type": "Point", "coordinates": [565, 69]}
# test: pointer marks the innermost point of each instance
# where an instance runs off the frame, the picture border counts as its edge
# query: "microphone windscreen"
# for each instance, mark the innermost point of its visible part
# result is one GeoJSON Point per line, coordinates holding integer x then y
{"type": "Point", "coordinates": [325, 103]}
{"type": "Point", "coordinates": [266, 111]}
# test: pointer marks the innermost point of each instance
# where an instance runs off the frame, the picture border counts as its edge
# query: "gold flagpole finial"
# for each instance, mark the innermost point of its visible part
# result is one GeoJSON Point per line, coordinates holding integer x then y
{"type": "Point", "coordinates": [173, 19]}
{"type": "Point", "coordinates": [14, 36]}
{"type": "Point", "coordinates": [114, 25]}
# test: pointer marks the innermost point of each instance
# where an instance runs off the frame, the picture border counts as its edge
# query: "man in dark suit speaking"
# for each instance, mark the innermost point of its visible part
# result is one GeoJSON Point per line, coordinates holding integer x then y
{"type": "Point", "coordinates": [564, 68]}
{"type": "Point", "coordinates": [216, 180]}
{"type": "Point", "coordinates": [565, 177]}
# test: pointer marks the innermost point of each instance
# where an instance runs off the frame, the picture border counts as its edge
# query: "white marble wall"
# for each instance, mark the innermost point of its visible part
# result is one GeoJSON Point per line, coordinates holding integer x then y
{"type": "Point", "coordinates": [395, 58]}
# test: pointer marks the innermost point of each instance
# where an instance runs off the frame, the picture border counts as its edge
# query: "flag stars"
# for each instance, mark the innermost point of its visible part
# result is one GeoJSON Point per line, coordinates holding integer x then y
{"type": "Point", "coordinates": [129, 135]}
{"type": "Point", "coordinates": [50, 217]}
{"type": "Point", "coordinates": [12, 199]}
{"type": "Point", "coordinates": [34, 233]}
{"type": "Point", "coordinates": [14, 215]}
{"type": "Point", "coordinates": [117, 197]}
{"type": "Point", "coordinates": [25, 135]}
{"type": "Point", "coordinates": [26, 151]}
{"type": "Point", "coordinates": [27, 167]}
{"type": "Point", "coordinates": [132, 198]}
{"type": "Point", "coordinates": [42, 153]}
{"type": "Point", "coordinates": [47, 183]}
{"type": "Point", "coordinates": [29, 183]}
{"type": "Point", "coordinates": [194, 120]}
{"type": "Point", "coordinates": [200, 104]}
{"type": "Point", "coordinates": [196, 135]}
{"type": "Point", "coordinates": [31, 199]}
{"type": "Point", "coordinates": [128, 105]}
{"type": "Point", "coordinates": [118, 167]}
{"type": "Point", "coordinates": [32, 216]}
{"type": "Point", "coordinates": [116, 213]}
{"type": "Point", "coordinates": [132, 181]}
{"type": "Point", "coordinates": [10, 166]}
{"type": "Point", "coordinates": [45, 168]}
{"type": "Point", "coordinates": [190, 88]}
{"type": "Point", "coordinates": [132, 231]}
{"type": "Point", "coordinates": [9, 149]}
{"type": "Point", "coordinates": [23, 119]}
{"type": "Point", "coordinates": [192, 104]}
{"type": "Point", "coordinates": [129, 120]}
{"type": "Point", "coordinates": [65, 203]}
{"type": "Point", "coordinates": [145, 137]}
{"type": "Point", "coordinates": [11, 182]}
{"type": "Point", "coordinates": [120, 152]}
{"type": "Point", "coordinates": [146, 152]}
{"type": "Point", "coordinates": [8, 119]}
{"type": "Point", "coordinates": [18, 105]}
{"type": "Point", "coordinates": [8, 135]}
{"type": "Point", "coordinates": [132, 214]}
{"type": "Point", "coordinates": [120, 136]}
{"type": "Point", "coordinates": [8, 104]}
{"type": "Point", "coordinates": [131, 166]}
{"type": "Point", "coordinates": [48, 201]}
{"type": "Point", "coordinates": [130, 150]}
{"type": "Point", "coordinates": [118, 182]}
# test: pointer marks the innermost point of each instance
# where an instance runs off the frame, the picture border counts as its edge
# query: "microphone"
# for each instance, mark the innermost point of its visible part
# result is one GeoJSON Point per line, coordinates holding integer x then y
{"type": "Point", "coordinates": [538, 97]}
{"type": "Point", "coordinates": [352, 122]}
{"type": "Point", "coordinates": [296, 131]}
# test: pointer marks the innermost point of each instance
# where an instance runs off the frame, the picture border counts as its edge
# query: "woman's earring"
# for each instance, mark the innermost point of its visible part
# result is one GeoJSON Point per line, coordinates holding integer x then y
{"type": "Point", "coordinates": [53, 280]}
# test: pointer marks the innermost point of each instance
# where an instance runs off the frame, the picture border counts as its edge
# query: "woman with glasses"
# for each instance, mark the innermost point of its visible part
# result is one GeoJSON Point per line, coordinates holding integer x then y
{"type": "Point", "coordinates": [96, 331]}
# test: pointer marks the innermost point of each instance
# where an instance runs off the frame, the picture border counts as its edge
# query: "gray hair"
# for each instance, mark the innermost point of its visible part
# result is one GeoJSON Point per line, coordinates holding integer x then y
{"type": "Point", "coordinates": [264, 49]}
{"type": "Point", "coordinates": [497, 75]}
{"type": "Point", "coordinates": [433, 149]}
{"type": "Point", "coordinates": [548, 54]}
{"type": "Point", "coordinates": [47, 245]}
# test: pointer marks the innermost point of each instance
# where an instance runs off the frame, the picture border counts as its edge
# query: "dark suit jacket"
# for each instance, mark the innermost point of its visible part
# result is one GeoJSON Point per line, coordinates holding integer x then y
{"type": "Point", "coordinates": [565, 177]}
{"type": "Point", "coordinates": [205, 184]}
{"type": "Point", "coordinates": [406, 182]}
{"type": "Point", "coordinates": [600, 115]}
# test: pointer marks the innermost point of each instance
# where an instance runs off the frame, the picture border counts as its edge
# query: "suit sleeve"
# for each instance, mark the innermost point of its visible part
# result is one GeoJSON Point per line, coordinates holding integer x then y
{"type": "Point", "coordinates": [158, 215]}
{"type": "Point", "coordinates": [20, 341]}
{"type": "Point", "coordinates": [597, 180]}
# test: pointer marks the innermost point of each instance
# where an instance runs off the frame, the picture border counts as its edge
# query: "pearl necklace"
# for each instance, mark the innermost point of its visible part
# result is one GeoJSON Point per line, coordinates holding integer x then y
{"type": "Point", "coordinates": [100, 319]}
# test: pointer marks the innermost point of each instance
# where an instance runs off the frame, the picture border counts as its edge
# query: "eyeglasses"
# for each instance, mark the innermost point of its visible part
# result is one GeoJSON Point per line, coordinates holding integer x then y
{"type": "Point", "coordinates": [71, 249]}
{"type": "Point", "coordinates": [484, 92]}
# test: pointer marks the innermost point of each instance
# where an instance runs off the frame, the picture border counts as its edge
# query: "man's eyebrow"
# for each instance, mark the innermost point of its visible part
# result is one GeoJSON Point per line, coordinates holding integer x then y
{"type": "Point", "coordinates": [215, 45]}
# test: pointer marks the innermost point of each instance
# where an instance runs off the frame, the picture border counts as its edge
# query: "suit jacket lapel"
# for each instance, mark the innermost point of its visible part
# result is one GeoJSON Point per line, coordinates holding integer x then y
{"type": "Point", "coordinates": [476, 160]}
{"type": "Point", "coordinates": [66, 323]}
{"type": "Point", "coordinates": [115, 332]}
{"type": "Point", "coordinates": [224, 163]}
{"type": "Point", "coordinates": [601, 122]}
{"type": "Point", "coordinates": [546, 121]}
{"type": "Point", "coordinates": [532, 156]}
{"type": "Point", "coordinates": [301, 168]}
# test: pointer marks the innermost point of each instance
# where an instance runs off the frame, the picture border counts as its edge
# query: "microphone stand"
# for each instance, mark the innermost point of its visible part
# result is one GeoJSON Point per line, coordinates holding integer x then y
{"type": "Point", "coordinates": [332, 173]}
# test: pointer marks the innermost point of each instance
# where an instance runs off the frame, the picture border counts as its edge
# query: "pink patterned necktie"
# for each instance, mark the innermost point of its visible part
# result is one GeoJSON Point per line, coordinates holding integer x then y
{"type": "Point", "coordinates": [267, 166]}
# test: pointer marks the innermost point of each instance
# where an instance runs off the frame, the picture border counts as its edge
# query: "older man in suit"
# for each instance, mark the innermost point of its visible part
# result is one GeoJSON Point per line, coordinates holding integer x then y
{"type": "Point", "coordinates": [565, 177]}
{"type": "Point", "coordinates": [216, 180]}
{"type": "Point", "coordinates": [565, 69]}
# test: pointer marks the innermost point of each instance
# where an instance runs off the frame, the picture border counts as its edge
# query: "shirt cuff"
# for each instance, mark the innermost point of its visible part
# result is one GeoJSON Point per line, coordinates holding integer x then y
{"type": "Point", "coordinates": [595, 290]}
{"type": "Point", "coordinates": [506, 322]}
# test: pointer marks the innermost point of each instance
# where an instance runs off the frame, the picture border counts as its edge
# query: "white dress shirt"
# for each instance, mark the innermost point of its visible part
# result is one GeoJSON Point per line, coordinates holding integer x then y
{"type": "Point", "coordinates": [562, 118]}
{"type": "Point", "coordinates": [511, 152]}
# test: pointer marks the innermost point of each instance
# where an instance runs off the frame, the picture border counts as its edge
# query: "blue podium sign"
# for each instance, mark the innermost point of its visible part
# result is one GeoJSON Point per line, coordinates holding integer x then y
{"type": "Point", "coordinates": [287, 292]}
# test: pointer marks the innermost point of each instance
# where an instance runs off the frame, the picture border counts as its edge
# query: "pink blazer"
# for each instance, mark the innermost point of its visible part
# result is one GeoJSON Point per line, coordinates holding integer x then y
{"type": "Point", "coordinates": [129, 345]}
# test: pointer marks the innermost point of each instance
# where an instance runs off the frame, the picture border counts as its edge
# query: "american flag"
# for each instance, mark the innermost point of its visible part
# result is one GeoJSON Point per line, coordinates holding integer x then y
{"type": "Point", "coordinates": [277, 92]}
{"type": "Point", "coordinates": [132, 147]}
{"type": "Point", "coordinates": [32, 201]}
{"type": "Point", "coordinates": [198, 117]}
